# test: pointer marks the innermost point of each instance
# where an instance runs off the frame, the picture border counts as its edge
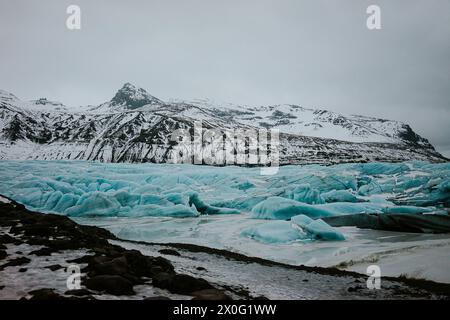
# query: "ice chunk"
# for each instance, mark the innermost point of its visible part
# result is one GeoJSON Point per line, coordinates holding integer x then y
{"type": "Point", "coordinates": [66, 201]}
{"type": "Point", "coordinates": [386, 185]}
{"type": "Point", "coordinates": [435, 193]}
{"type": "Point", "coordinates": [204, 208]}
{"type": "Point", "coordinates": [52, 200]}
{"type": "Point", "coordinates": [241, 203]}
{"type": "Point", "coordinates": [320, 180]}
{"type": "Point", "coordinates": [34, 197]}
{"type": "Point", "coordinates": [318, 229]}
{"type": "Point", "coordinates": [341, 196]}
{"type": "Point", "coordinates": [95, 204]}
{"type": "Point", "coordinates": [178, 198]}
{"type": "Point", "coordinates": [342, 208]}
{"type": "Point", "coordinates": [304, 193]}
{"type": "Point", "coordinates": [153, 199]}
{"type": "Point", "coordinates": [323, 231]}
{"type": "Point", "coordinates": [407, 209]}
{"type": "Point", "coordinates": [278, 208]}
{"type": "Point", "coordinates": [127, 199]}
{"type": "Point", "coordinates": [178, 210]}
{"type": "Point", "coordinates": [274, 232]}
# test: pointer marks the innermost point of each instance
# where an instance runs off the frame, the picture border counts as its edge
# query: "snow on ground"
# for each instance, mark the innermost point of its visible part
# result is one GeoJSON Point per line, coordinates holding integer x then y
{"type": "Point", "coordinates": [270, 281]}
{"type": "Point", "coordinates": [18, 281]}
{"type": "Point", "coordinates": [18, 284]}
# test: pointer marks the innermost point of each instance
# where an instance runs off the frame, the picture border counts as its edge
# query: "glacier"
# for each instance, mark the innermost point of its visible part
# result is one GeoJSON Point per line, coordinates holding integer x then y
{"type": "Point", "coordinates": [346, 216]}
{"type": "Point", "coordinates": [82, 189]}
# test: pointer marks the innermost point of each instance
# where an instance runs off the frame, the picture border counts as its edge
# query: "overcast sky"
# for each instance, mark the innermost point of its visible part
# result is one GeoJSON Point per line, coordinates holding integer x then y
{"type": "Point", "coordinates": [315, 53]}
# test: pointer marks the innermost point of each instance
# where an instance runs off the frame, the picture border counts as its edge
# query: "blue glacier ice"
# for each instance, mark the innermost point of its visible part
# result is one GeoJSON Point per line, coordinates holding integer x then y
{"type": "Point", "coordinates": [278, 208]}
{"type": "Point", "coordinates": [89, 189]}
{"type": "Point", "coordinates": [304, 193]}
{"type": "Point", "coordinates": [275, 232]}
{"type": "Point", "coordinates": [341, 196]}
{"type": "Point", "coordinates": [318, 229]}
{"type": "Point", "coordinates": [204, 208]}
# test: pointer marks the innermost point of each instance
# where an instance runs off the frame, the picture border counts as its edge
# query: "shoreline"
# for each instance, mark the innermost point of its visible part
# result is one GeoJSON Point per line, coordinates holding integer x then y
{"type": "Point", "coordinates": [112, 268]}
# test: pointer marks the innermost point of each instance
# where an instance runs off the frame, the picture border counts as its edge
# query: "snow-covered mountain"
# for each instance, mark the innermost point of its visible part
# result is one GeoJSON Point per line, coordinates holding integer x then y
{"type": "Point", "coordinates": [135, 126]}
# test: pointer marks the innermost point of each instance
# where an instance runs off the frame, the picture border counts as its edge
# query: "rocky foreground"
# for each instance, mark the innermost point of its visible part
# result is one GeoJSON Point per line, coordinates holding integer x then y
{"type": "Point", "coordinates": [37, 252]}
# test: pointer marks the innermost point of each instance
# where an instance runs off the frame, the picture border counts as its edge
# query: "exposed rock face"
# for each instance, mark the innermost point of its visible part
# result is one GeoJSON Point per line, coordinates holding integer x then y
{"type": "Point", "coordinates": [132, 97]}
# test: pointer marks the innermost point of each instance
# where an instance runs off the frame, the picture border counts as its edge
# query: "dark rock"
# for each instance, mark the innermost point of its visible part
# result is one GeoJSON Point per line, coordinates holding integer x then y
{"type": "Point", "coordinates": [45, 294]}
{"type": "Point", "coordinates": [201, 269]}
{"type": "Point", "coordinates": [115, 266]}
{"type": "Point", "coordinates": [103, 265]}
{"type": "Point", "coordinates": [83, 259]}
{"type": "Point", "coordinates": [64, 233]}
{"type": "Point", "coordinates": [170, 252]}
{"type": "Point", "coordinates": [163, 280]}
{"type": "Point", "coordinates": [354, 289]}
{"type": "Point", "coordinates": [43, 252]}
{"type": "Point", "coordinates": [5, 239]}
{"type": "Point", "coordinates": [3, 254]}
{"type": "Point", "coordinates": [138, 263]}
{"type": "Point", "coordinates": [162, 263]}
{"type": "Point", "coordinates": [156, 269]}
{"type": "Point", "coordinates": [110, 250]}
{"type": "Point", "coordinates": [210, 294]}
{"type": "Point", "coordinates": [143, 266]}
{"type": "Point", "coordinates": [15, 262]}
{"type": "Point", "coordinates": [78, 292]}
{"type": "Point", "coordinates": [23, 270]}
{"type": "Point", "coordinates": [66, 244]}
{"type": "Point", "coordinates": [157, 298]}
{"type": "Point", "coordinates": [54, 267]}
{"type": "Point", "coordinates": [179, 283]}
{"type": "Point", "coordinates": [112, 284]}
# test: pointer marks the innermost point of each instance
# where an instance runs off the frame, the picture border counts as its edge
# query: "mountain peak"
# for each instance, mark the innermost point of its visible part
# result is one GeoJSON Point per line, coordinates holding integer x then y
{"type": "Point", "coordinates": [133, 97]}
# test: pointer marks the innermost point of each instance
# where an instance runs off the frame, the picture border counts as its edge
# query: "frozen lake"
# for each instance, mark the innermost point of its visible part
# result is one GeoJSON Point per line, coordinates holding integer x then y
{"type": "Point", "coordinates": [397, 253]}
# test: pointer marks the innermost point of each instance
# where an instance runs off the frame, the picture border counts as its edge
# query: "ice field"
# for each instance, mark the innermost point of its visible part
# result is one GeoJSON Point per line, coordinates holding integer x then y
{"type": "Point", "coordinates": [281, 217]}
